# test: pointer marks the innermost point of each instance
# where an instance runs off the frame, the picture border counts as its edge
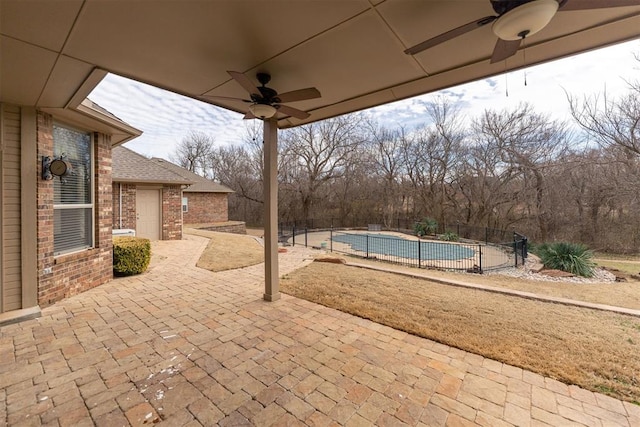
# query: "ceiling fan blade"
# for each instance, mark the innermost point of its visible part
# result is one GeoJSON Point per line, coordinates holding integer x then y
{"type": "Point", "coordinates": [504, 49]}
{"type": "Point", "coordinates": [290, 111]}
{"type": "Point", "coordinates": [299, 95]}
{"type": "Point", "coordinates": [245, 82]}
{"type": "Point", "coordinates": [596, 4]}
{"type": "Point", "coordinates": [249, 116]}
{"type": "Point", "coordinates": [450, 35]}
{"type": "Point", "coordinates": [226, 98]}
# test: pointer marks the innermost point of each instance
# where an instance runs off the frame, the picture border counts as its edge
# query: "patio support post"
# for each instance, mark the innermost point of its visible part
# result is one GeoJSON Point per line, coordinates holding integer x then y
{"type": "Point", "coordinates": [270, 179]}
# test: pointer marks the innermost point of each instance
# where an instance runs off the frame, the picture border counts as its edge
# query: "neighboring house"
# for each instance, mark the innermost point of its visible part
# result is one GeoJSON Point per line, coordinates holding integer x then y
{"type": "Point", "coordinates": [147, 197]}
{"type": "Point", "coordinates": [155, 198]}
{"type": "Point", "coordinates": [204, 201]}
{"type": "Point", "coordinates": [55, 231]}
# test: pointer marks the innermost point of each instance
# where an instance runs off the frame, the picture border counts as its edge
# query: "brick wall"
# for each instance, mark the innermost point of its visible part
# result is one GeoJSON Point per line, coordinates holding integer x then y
{"type": "Point", "coordinates": [73, 273]}
{"type": "Point", "coordinates": [128, 205]}
{"type": "Point", "coordinates": [205, 208]}
{"type": "Point", "coordinates": [172, 212]}
{"type": "Point", "coordinates": [235, 227]}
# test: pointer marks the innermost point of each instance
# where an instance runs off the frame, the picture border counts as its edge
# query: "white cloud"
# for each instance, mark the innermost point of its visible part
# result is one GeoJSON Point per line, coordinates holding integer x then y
{"type": "Point", "coordinates": [585, 74]}
{"type": "Point", "coordinates": [166, 118]}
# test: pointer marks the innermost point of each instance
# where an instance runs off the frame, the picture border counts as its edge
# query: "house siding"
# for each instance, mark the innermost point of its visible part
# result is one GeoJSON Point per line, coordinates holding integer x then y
{"type": "Point", "coordinates": [10, 210]}
{"type": "Point", "coordinates": [206, 208]}
{"type": "Point", "coordinates": [73, 273]}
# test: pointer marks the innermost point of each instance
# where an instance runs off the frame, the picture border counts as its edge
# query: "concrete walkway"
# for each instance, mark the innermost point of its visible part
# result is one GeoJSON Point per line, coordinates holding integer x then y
{"type": "Point", "coordinates": [186, 347]}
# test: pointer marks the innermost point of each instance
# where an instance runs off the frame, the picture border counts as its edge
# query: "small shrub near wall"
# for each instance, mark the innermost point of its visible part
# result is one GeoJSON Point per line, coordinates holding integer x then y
{"type": "Point", "coordinates": [131, 255]}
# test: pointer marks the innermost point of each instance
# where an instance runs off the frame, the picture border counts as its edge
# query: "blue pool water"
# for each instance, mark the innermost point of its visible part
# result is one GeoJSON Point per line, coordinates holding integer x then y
{"type": "Point", "coordinates": [381, 244]}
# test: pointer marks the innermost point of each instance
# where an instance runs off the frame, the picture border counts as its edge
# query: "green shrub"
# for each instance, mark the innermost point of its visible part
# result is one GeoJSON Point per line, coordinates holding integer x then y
{"type": "Point", "coordinates": [131, 255]}
{"type": "Point", "coordinates": [426, 226]}
{"type": "Point", "coordinates": [450, 236]}
{"type": "Point", "coordinates": [573, 258]}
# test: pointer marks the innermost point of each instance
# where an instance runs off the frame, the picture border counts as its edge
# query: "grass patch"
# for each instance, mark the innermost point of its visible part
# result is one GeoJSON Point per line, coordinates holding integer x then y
{"type": "Point", "coordinates": [595, 350]}
{"type": "Point", "coordinates": [226, 251]}
{"type": "Point", "coordinates": [629, 266]}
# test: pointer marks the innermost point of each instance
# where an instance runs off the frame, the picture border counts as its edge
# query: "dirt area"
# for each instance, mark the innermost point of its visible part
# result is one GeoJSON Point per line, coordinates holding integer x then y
{"type": "Point", "coordinates": [226, 251]}
{"type": "Point", "coordinates": [593, 349]}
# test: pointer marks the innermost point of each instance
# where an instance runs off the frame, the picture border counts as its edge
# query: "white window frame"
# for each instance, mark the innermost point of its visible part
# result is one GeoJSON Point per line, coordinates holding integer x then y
{"type": "Point", "coordinates": [185, 204]}
{"type": "Point", "coordinates": [91, 205]}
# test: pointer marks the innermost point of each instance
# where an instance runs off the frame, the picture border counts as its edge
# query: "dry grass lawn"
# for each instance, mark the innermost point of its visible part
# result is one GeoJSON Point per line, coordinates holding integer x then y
{"type": "Point", "coordinates": [626, 266]}
{"type": "Point", "coordinates": [226, 251]}
{"type": "Point", "coordinates": [593, 349]}
{"type": "Point", "coordinates": [621, 294]}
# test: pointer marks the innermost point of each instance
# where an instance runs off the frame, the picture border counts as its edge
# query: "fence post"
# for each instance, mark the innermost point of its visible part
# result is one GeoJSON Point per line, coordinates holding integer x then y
{"type": "Point", "coordinates": [305, 238]}
{"type": "Point", "coordinates": [331, 237]}
{"type": "Point", "coordinates": [419, 253]}
{"type": "Point", "coordinates": [458, 229]}
{"type": "Point", "coordinates": [480, 257]}
{"type": "Point", "coordinates": [367, 245]}
{"type": "Point", "coordinates": [515, 248]}
{"type": "Point", "coordinates": [294, 234]}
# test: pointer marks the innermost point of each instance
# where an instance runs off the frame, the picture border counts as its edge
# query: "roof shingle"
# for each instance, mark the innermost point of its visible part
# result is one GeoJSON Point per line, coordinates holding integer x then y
{"type": "Point", "coordinates": [129, 166]}
{"type": "Point", "coordinates": [200, 183]}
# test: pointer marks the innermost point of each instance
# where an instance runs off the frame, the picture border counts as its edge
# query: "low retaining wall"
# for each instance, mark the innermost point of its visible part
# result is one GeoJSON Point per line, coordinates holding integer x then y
{"type": "Point", "coordinates": [235, 227]}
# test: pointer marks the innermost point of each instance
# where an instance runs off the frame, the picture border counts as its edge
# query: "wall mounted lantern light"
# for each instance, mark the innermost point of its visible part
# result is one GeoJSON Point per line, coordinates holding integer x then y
{"type": "Point", "coordinates": [55, 166]}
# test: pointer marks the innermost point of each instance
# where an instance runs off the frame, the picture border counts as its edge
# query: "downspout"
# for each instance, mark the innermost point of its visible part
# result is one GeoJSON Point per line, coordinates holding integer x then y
{"type": "Point", "coordinates": [120, 204]}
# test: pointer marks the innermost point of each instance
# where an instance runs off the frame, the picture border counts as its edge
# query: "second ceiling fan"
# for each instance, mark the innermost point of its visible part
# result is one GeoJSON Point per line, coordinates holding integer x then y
{"type": "Point", "coordinates": [516, 20]}
{"type": "Point", "coordinates": [266, 102]}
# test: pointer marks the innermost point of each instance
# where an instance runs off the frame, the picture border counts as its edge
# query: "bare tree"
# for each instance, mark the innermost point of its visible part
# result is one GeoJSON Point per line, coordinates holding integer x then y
{"type": "Point", "coordinates": [527, 142]}
{"type": "Point", "coordinates": [193, 152]}
{"type": "Point", "coordinates": [386, 155]}
{"type": "Point", "coordinates": [317, 154]}
{"type": "Point", "coordinates": [611, 122]}
{"type": "Point", "coordinates": [430, 155]}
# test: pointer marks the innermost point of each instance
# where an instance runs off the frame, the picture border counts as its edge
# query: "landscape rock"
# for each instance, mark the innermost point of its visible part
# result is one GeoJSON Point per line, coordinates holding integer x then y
{"type": "Point", "coordinates": [536, 267]}
{"type": "Point", "coordinates": [333, 260]}
{"type": "Point", "coordinates": [556, 273]}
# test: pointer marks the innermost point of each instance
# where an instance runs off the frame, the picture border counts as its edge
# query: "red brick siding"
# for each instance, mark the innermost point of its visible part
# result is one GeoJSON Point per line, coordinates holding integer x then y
{"type": "Point", "coordinates": [172, 212]}
{"type": "Point", "coordinates": [128, 205]}
{"type": "Point", "coordinates": [205, 208]}
{"type": "Point", "coordinates": [78, 272]}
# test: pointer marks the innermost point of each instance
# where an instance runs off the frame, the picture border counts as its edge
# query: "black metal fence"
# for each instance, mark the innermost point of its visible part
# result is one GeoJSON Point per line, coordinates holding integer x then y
{"type": "Point", "coordinates": [477, 250]}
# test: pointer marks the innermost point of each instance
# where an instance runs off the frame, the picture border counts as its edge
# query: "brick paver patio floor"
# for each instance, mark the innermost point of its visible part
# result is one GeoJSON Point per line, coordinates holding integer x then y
{"type": "Point", "coordinates": [186, 347]}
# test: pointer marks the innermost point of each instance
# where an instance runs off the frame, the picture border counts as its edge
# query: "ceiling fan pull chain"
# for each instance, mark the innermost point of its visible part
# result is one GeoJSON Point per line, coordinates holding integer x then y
{"type": "Point", "coordinates": [524, 58]}
{"type": "Point", "coordinates": [506, 79]}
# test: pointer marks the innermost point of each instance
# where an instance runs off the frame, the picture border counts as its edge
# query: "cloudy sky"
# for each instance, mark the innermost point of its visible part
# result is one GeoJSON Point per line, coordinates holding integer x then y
{"type": "Point", "coordinates": [166, 118]}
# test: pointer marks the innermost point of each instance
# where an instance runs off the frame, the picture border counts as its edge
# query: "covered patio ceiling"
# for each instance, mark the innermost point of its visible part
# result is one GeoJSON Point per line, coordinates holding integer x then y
{"type": "Point", "coordinates": [54, 52]}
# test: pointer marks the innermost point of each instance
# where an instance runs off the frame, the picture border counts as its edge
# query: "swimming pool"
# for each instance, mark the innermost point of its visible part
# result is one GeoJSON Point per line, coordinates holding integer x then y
{"type": "Point", "coordinates": [383, 244]}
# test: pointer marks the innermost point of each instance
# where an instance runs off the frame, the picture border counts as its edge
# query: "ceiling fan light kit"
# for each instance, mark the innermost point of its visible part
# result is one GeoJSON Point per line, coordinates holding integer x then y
{"type": "Point", "coordinates": [515, 20]}
{"type": "Point", "coordinates": [262, 111]}
{"type": "Point", "coordinates": [525, 20]}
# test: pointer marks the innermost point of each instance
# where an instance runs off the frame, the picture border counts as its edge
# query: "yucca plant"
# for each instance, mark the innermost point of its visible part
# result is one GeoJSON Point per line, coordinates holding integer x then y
{"type": "Point", "coordinates": [573, 258]}
{"type": "Point", "coordinates": [426, 226]}
{"type": "Point", "coordinates": [450, 236]}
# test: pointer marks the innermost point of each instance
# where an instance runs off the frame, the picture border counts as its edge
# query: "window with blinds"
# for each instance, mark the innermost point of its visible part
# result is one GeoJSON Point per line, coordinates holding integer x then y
{"type": "Point", "coordinates": [73, 193]}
